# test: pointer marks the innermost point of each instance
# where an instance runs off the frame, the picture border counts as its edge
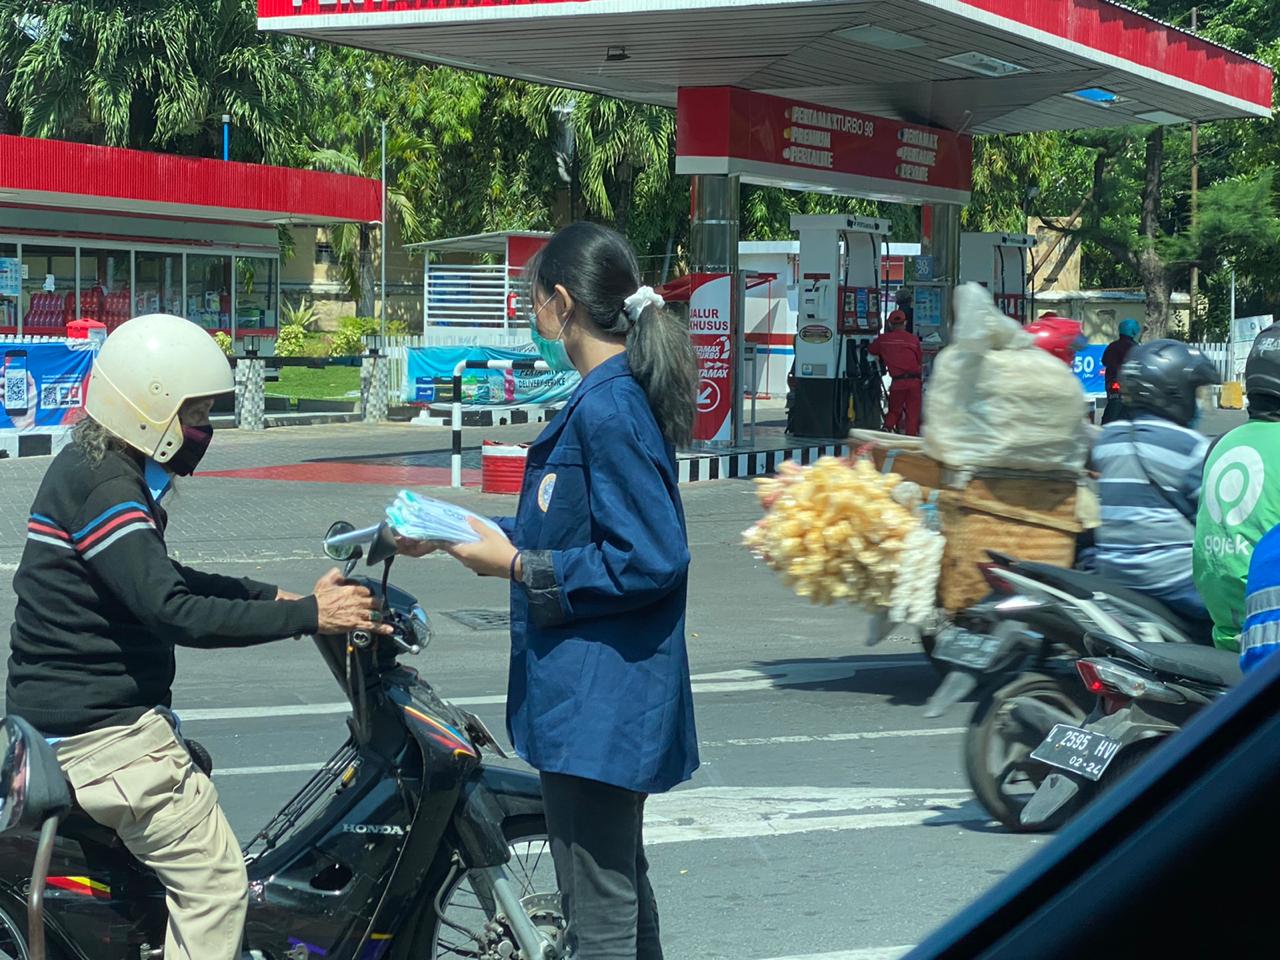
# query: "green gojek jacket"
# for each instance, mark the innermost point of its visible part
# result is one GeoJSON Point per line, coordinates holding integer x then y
{"type": "Point", "coordinates": [1239, 503]}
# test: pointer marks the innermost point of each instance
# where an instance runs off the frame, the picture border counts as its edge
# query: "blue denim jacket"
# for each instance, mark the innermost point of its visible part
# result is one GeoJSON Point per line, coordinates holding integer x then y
{"type": "Point", "coordinates": [599, 681]}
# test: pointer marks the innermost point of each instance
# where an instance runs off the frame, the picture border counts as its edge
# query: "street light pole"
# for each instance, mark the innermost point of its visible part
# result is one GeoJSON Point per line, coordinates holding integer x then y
{"type": "Point", "coordinates": [1193, 325]}
{"type": "Point", "coordinates": [382, 236]}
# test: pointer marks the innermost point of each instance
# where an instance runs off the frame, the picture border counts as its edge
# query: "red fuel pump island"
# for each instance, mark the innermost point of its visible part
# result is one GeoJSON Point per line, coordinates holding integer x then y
{"type": "Point", "coordinates": [870, 98]}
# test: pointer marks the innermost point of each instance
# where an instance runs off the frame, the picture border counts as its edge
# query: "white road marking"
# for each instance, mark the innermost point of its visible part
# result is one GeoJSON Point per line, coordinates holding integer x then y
{"type": "Point", "coordinates": [734, 813]}
{"type": "Point", "coordinates": [256, 559]}
{"type": "Point", "coordinates": [259, 771]}
{"type": "Point", "coordinates": [866, 953]}
{"type": "Point", "coordinates": [744, 742]}
{"type": "Point", "coordinates": [727, 681]}
{"type": "Point", "coordinates": [256, 713]}
{"type": "Point", "coordinates": [729, 813]}
{"type": "Point", "coordinates": [835, 737]}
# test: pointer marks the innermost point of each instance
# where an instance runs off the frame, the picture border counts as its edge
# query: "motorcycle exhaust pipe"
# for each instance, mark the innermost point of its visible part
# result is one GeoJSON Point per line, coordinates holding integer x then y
{"type": "Point", "coordinates": [955, 686]}
{"type": "Point", "coordinates": [39, 874]}
{"type": "Point", "coordinates": [1054, 794]}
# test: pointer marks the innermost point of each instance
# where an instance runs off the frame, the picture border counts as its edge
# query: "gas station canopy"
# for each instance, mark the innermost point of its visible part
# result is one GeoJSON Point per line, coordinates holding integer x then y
{"type": "Point", "coordinates": [976, 66]}
{"type": "Point", "coordinates": [62, 175]}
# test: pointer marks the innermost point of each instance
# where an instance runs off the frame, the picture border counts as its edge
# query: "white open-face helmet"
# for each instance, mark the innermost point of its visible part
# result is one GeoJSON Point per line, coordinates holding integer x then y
{"type": "Point", "coordinates": [148, 368]}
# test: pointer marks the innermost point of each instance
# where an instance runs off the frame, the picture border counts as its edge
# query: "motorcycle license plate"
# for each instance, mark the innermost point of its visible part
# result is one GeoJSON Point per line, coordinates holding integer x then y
{"type": "Point", "coordinates": [977, 651]}
{"type": "Point", "coordinates": [1077, 751]}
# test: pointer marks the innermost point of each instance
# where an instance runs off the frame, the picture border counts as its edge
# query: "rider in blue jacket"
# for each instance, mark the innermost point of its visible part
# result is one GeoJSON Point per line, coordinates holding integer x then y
{"type": "Point", "coordinates": [599, 698]}
{"type": "Point", "coordinates": [1261, 635]}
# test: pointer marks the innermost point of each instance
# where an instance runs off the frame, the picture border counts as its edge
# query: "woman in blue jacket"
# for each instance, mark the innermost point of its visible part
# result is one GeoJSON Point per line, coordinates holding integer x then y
{"type": "Point", "coordinates": [599, 700]}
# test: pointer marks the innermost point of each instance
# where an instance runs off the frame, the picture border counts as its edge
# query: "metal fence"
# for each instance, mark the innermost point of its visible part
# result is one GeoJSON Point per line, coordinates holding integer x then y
{"type": "Point", "coordinates": [29, 338]}
{"type": "Point", "coordinates": [1220, 353]}
{"type": "Point", "coordinates": [397, 349]}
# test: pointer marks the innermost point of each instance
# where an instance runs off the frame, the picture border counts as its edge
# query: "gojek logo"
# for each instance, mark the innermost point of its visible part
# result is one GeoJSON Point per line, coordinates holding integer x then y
{"type": "Point", "coordinates": [1234, 486]}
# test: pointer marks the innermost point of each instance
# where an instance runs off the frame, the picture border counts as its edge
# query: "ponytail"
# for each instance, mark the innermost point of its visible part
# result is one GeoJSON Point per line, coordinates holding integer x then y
{"type": "Point", "coordinates": [597, 266]}
{"type": "Point", "coordinates": [665, 365]}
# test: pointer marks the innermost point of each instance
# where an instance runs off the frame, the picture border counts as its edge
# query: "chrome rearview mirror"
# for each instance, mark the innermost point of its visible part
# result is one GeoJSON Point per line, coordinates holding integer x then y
{"type": "Point", "coordinates": [337, 546]}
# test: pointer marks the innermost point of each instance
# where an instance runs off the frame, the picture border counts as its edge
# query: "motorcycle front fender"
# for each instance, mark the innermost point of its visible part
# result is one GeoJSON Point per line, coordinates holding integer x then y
{"type": "Point", "coordinates": [517, 792]}
{"type": "Point", "coordinates": [486, 802]}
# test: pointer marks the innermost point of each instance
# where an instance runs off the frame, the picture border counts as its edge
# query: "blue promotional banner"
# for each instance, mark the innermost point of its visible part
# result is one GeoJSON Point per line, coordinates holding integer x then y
{"type": "Point", "coordinates": [429, 379]}
{"type": "Point", "coordinates": [1088, 369]}
{"type": "Point", "coordinates": [44, 383]}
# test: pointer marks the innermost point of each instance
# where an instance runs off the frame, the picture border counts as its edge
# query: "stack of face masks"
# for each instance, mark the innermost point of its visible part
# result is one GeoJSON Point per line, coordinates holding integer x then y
{"type": "Point", "coordinates": [425, 518]}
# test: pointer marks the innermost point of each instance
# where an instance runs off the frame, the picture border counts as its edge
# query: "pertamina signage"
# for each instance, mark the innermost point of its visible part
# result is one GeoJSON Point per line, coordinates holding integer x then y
{"type": "Point", "coordinates": [711, 330]}
{"type": "Point", "coordinates": [791, 143]}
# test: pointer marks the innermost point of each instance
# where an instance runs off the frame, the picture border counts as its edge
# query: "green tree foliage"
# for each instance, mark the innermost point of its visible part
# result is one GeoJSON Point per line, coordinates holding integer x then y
{"type": "Point", "coordinates": [469, 153]}
{"type": "Point", "coordinates": [1125, 195]}
{"type": "Point", "coordinates": [151, 74]}
{"type": "Point", "coordinates": [462, 157]}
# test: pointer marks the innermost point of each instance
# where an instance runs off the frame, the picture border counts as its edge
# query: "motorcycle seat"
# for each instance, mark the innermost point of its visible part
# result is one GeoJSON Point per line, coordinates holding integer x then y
{"type": "Point", "coordinates": [32, 786]}
{"type": "Point", "coordinates": [1186, 661]}
{"type": "Point", "coordinates": [1085, 585]}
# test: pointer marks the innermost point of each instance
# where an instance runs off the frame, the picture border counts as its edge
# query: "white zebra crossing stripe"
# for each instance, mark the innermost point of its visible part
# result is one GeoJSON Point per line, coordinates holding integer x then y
{"type": "Point", "coordinates": [727, 813]}
{"type": "Point", "coordinates": [704, 744]}
{"type": "Point", "coordinates": [725, 681]}
{"type": "Point", "coordinates": [867, 953]}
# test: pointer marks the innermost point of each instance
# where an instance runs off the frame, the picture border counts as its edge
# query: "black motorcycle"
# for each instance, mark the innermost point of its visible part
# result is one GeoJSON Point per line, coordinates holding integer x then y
{"type": "Point", "coordinates": [1017, 649]}
{"type": "Point", "coordinates": [406, 845]}
{"type": "Point", "coordinates": [1145, 692]}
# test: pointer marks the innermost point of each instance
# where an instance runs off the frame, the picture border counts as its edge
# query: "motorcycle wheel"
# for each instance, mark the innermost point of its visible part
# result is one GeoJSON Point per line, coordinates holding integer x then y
{"type": "Point", "coordinates": [13, 938]}
{"type": "Point", "coordinates": [461, 919]}
{"type": "Point", "coordinates": [997, 750]}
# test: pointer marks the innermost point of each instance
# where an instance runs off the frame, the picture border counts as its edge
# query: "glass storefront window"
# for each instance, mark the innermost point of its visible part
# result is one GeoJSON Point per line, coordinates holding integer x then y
{"type": "Point", "coordinates": [10, 286]}
{"type": "Point", "coordinates": [48, 287]}
{"type": "Point", "coordinates": [158, 281]}
{"type": "Point", "coordinates": [104, 286]}
{"type": "Point", "coordinates": [209, 291]}
{"type": "Point", "coordinates": [255, 295]}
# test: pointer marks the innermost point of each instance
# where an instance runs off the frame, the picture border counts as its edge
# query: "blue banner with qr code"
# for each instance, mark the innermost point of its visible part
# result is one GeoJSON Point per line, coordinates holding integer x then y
{"type": "Point", "coordinates": [429, 379]}
{"type": "Point", "coordinates": [44, 383]}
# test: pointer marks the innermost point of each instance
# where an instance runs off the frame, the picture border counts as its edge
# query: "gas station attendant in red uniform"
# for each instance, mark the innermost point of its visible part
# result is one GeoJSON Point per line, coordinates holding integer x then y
{"type": "Point", "coordinates": [903, 355]}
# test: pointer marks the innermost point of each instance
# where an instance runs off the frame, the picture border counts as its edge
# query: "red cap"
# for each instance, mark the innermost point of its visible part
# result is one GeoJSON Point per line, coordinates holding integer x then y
{"type": "Point", "coordinates": [897, 319]}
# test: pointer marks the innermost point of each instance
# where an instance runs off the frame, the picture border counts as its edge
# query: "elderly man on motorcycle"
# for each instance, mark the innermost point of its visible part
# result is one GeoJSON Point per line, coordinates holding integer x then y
{"type": "Point", "coordinates": [101, 606]}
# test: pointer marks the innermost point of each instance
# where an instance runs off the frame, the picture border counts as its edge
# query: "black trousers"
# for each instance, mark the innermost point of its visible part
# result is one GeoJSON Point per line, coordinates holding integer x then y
{"type": "Point", "coordinates": [1116, 409]}
{"type": "Point", "coordinates": [597, 843]}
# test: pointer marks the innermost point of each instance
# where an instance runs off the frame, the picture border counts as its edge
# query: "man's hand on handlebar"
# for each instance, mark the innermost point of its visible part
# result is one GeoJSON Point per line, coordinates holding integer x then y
{"type": "Point", "coordinates": [344, 606]}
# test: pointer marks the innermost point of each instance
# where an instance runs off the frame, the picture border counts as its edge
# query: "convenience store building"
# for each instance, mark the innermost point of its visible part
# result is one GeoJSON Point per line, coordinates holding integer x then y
{"type": "Point", "coordinates": [101, 233]}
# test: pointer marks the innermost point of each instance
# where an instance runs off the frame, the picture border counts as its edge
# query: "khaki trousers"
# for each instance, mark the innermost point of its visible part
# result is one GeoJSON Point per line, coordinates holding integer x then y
{"type": "Point", "coordinates": [140, 782]}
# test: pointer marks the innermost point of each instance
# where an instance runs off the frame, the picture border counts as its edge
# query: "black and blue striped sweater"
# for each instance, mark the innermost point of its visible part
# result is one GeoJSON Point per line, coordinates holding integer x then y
{"type": "Point", "coordinates": [101, 604]}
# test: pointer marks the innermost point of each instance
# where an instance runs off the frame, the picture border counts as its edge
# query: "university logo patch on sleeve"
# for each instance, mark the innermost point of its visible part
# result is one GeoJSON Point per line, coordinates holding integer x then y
{"type": "Point", "coordinates": [545, 491]}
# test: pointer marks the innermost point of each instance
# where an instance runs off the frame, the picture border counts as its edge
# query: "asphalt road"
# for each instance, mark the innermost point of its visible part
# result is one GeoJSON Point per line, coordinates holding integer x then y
{"type": "Point", "coordinates": [829, 819]}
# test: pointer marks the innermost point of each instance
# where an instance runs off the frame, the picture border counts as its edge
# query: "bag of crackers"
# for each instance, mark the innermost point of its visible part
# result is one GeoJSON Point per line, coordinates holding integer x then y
{"type": "Point", "coordinates": [841, 530]}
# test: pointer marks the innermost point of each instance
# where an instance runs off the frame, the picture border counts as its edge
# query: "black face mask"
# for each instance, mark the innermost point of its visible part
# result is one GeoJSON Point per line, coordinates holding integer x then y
{"type": "Point", "coordinates": [195, 441]}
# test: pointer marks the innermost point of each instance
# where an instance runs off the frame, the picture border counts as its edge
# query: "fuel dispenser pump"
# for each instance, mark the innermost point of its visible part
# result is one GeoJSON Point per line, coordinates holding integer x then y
{"type": "Point", "coordinates": [998, 261]}
{"type": "Point", "coordinates": [840, 313]}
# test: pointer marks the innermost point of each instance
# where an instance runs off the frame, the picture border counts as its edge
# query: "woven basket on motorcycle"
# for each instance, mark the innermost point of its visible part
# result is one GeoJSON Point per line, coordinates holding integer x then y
{"type": "Point", "coordinates": [1027, 516]}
